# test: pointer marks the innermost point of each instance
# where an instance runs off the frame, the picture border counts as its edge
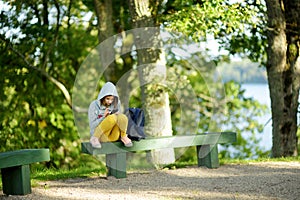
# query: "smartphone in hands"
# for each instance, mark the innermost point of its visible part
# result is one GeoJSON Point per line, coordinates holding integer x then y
{"type": "Point", "coordinates": [113, 111]}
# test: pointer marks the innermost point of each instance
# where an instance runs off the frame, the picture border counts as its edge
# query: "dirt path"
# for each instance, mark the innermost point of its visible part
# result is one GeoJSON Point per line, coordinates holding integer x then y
{"type": "Point", "coordinates": [268, 180]}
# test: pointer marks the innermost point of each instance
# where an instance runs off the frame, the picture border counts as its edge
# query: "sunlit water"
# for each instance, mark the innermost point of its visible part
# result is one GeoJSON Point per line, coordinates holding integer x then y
{"type": "Point", "coordinates": [260, 92]}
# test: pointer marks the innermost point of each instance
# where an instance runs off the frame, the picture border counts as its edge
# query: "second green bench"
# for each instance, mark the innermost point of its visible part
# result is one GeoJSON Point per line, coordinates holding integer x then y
{"type": "Point", "coordinates": [15, 169]}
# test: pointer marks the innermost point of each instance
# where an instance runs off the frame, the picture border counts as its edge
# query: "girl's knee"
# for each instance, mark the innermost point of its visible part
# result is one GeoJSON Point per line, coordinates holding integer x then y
{"type": "Point", "coordinates": [122, 117]}
{"type": "Point", "coordinates": [111, 118]}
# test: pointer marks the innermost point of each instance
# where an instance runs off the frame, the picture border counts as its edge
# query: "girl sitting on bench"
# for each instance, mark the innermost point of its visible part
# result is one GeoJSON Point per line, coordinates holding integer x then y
{"type": "Point", "coordinates": [107, 123]}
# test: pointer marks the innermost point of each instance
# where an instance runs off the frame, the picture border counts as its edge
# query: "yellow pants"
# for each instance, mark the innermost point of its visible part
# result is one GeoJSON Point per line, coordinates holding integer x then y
{"type": "Point", "coordinates": [112, 128]}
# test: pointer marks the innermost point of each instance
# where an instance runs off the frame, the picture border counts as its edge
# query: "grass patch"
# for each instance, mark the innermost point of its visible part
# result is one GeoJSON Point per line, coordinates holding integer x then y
{"type": "Point", "coordinates": [56, 174]}
{"type": "Point", "coordinates": [88, 166]}
{"type": "Point", "coordinates": [224, 161]}
{"type": "Point", "coordinates": [44, 174]}
{"type": "Point", "coordinates": [262, 159]}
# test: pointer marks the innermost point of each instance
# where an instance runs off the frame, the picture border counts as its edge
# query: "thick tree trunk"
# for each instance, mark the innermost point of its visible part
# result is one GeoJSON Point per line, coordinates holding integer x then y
{"type": "Point", "coordinates": [283, 68]}
{"type": "Point", "coordinates": [152, 74]}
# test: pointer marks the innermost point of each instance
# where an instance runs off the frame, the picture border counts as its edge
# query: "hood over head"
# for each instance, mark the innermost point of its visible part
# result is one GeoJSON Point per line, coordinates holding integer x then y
{"type": "Point", "coordinates": [108, 89]}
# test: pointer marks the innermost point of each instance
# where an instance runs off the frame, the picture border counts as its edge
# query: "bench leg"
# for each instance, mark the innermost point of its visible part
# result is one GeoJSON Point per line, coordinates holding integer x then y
{"type": "Point", "coordinates": [208, 156]}
{"type": "Point", "coordinates": [116, 165]}
{"type": "Point", "coordinates": [16, 180]}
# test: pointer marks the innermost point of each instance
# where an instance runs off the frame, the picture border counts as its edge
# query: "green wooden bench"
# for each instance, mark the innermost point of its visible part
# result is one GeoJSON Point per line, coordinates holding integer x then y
{"type": "Point", "coordinates": [15, 169]}
{"type": "Point", "coordinates": [206, 144]}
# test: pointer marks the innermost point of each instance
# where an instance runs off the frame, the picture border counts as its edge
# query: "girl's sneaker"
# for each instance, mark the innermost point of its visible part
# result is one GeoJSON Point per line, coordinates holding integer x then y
{"type": "Point", "coordinates": [127, 142]}
{"type": "Point", "coordinates": [95, 142]}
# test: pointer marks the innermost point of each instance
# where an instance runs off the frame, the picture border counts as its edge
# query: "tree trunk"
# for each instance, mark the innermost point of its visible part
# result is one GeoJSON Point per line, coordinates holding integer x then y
{"type": "Point", "coordinates": [106, 30]}
{"type": "Point", "coordinates": [104, 14]}
{"type": "Point", "coordinates": [283, 68]}
{"type": "Point", "coordinates": [152, 74]}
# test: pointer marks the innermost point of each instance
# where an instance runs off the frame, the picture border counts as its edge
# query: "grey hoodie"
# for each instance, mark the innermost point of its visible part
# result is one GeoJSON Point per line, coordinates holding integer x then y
{"type": "Point", "coordinates": [96, 109]}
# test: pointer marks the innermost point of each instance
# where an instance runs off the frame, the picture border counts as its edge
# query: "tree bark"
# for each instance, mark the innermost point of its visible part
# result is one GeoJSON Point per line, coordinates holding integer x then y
{"type": "Point", "coordinates": [283, 69]}
{"type": "Point", "coordinates": [107, 28]}
{"type": "Point", "coordinates": [152, 74]}
{"type": "Point", "coordinates": [104, 14]}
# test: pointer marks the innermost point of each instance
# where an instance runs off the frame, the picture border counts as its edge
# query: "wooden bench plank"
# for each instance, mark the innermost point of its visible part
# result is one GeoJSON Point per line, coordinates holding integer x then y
{"type": "Point", "coordinates": [161, 143]}
{"type": "Point", "coordinates": [23, 157]}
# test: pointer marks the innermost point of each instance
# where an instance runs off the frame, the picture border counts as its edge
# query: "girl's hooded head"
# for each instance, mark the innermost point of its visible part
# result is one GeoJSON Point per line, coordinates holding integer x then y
{"type": "Point", "coordinates": [109, 89]}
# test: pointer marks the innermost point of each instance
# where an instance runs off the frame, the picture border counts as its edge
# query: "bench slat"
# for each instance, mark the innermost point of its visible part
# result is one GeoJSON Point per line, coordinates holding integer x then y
{"type": "Point", "coordinates": [23, 157]}
{"type": "Point", "coordinates": [162, 142]}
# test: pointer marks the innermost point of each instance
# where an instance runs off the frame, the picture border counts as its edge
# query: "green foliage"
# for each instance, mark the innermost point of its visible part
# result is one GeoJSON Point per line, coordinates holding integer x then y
{"type": "Point", "coordinates": [243, 115]}
{"type": "Point", "coordinates": [198, 20]}
{"type": "Point", "coordinates": [37, 117]}
{"type": "Point", "coordinates": [222, 106]}
{"type": "Point", "coordinates": [34, 111]}
{"type": "Point", "coordinates": [251, 42]}
{"type": "Point", "coordinates": [298, 135]}
{"type": "Point", "coordinates": [239, 27]}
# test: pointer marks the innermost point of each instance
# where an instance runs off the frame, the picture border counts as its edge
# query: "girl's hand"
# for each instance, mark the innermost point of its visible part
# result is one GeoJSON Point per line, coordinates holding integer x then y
{"type": "Point", "coordinates": [106, 113]}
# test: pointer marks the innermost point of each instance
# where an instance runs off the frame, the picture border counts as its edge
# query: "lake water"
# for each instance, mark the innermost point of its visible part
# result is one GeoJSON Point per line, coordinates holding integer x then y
{"type": "Point", "coordinates": [260, 92]}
